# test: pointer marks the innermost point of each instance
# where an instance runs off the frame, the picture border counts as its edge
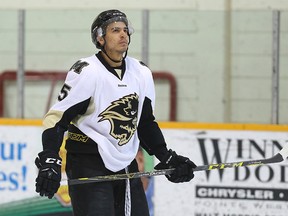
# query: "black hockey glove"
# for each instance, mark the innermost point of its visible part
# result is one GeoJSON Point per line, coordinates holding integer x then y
{"type": "Point", "coordinates": [183, 167]}
{"type": "Point", "coordinates": [49, 176]}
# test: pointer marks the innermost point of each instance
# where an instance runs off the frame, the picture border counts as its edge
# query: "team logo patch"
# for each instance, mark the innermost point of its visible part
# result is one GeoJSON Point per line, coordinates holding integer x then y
{"type": "Point", "coordinates": [78, 66]}
{"type": "Point", "coordinates": [122, 115]}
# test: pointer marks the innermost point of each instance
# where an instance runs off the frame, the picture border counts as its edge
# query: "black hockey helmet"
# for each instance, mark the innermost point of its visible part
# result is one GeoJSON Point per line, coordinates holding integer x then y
{"type": "Point", "coordinates": [105, 18]}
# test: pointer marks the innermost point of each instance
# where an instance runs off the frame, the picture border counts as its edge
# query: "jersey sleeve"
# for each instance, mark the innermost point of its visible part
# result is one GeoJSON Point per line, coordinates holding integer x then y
{"type": "Point", "coordinates": [149, 132]}
{"type": "Point", "coordinates": [73, 100]}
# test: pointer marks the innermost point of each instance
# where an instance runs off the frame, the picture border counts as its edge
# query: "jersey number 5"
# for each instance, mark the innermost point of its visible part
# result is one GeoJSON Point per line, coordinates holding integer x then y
{"type": "Point", "coordinates": [64, 92]}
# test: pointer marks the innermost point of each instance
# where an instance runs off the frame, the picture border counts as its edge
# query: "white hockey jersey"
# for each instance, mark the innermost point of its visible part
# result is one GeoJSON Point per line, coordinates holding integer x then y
{"type": "Point", "coordinates": [115, 106]}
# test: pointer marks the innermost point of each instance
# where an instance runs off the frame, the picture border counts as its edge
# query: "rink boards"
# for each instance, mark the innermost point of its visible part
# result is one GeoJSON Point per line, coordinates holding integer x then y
{"type": "Point", "coordinates": [246, 191]}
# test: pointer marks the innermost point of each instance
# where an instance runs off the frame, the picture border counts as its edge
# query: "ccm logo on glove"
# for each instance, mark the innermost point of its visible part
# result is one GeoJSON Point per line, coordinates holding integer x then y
{"type": "Point", "coordinates": [53, 160]}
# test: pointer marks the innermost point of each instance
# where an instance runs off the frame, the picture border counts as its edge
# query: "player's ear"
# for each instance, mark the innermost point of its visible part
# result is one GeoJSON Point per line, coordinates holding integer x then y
{"type": "Point", "coordinates": [100, 40]}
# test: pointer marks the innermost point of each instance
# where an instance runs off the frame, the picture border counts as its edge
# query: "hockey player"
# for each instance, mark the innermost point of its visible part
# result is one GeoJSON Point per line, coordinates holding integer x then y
{"type": "Point", "coordinates": [106, 104]}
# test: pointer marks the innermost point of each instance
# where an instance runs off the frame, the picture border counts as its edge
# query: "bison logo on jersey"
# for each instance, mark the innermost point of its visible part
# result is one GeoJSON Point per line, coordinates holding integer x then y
{"type": "Point", "coordinates": [122, 115]}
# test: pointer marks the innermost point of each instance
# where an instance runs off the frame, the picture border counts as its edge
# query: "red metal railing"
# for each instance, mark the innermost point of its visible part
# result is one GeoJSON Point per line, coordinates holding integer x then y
{"type": "Point", "coordinates": [55, 76]}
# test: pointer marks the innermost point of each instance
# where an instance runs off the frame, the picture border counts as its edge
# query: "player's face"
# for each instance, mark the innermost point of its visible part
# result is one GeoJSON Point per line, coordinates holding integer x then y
{"type": "Point", "coordinates": [117, 38]}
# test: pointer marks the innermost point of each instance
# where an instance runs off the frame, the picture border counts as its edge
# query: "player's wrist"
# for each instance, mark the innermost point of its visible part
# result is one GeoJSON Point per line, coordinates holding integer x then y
{"type": "Point", "coordinates": [161, 153]}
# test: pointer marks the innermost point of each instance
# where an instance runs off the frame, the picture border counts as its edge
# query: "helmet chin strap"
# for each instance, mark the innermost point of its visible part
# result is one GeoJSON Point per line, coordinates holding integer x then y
{"type": "Point", "coordinates": [116, 61]}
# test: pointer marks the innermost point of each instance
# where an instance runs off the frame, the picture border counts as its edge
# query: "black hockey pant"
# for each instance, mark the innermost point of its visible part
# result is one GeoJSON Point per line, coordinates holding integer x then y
{"type": "Point", "coordinates": [102, 198]}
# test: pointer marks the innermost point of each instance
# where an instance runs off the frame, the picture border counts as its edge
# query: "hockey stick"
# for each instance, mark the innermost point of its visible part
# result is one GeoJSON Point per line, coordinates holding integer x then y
{"type": "Point", "coordinates": [279, 157]}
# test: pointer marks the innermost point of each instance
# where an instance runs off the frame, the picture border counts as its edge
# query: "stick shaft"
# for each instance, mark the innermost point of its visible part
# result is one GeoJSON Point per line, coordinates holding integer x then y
{"type": "Point", "coordinates": [275, 159]}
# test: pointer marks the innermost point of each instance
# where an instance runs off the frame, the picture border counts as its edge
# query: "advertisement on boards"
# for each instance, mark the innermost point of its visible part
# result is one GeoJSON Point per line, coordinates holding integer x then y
{"type": "Point", "coordinates": [240, 191]}
{"type": "Point", "coordinates": [19, 146]}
